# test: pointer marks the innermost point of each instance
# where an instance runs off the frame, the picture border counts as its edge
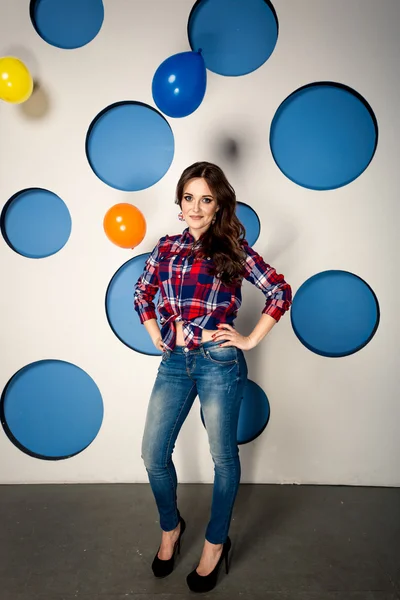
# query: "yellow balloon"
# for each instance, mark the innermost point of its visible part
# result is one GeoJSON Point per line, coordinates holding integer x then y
{"type": "Point", "coordinates": [16, 83]}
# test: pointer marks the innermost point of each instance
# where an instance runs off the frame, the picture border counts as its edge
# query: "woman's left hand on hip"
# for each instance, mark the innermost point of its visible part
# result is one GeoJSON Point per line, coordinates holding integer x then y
{"type": "Point", "coordinates": [232, 337]}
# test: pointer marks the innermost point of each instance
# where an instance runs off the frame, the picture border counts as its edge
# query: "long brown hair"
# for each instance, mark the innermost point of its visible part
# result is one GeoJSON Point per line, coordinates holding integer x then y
{"type": "Point", "coordinates": [222, 240]}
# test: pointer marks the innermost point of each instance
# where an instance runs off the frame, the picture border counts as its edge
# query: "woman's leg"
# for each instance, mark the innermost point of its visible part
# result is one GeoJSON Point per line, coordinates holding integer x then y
{"type": "Point", "coordinates": [170, 402]}
{"type": "Point", "coordinates": [221, 377]}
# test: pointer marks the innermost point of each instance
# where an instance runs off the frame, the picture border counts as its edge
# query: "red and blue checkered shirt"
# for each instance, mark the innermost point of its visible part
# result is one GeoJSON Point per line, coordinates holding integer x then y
{"type": "Point", "coordinates": [188, 293]}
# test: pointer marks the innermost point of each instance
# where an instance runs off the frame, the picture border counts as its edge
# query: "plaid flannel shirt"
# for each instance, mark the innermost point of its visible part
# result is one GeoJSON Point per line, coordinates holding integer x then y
{"type": "Point", "coordinates": [188, 293]}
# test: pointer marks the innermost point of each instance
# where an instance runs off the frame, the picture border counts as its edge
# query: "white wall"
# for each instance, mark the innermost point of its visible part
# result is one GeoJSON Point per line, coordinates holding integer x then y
{"type": "Point", "coordinates": [332, 420]}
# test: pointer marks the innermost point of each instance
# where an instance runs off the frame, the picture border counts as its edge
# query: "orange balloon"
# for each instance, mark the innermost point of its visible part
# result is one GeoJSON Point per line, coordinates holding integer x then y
{"type": "Point", "coordinates": [124, 225]}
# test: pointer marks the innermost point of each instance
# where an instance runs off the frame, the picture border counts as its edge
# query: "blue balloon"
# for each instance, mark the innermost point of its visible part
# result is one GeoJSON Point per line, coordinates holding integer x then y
{"type": "Point", "coordinates": [179, 84]}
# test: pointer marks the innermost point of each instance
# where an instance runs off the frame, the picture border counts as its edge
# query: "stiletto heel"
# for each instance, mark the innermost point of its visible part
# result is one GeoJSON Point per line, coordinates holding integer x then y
{"type": "Point", "coordinates": [226, 564]}
{"type": "Point", "coordinates": [205, 583]}
{"type": "Point", "coordinates": [162, 568]}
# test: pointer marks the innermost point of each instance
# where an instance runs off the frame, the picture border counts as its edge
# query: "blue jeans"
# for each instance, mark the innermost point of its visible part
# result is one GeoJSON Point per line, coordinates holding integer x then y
{"type": "Point", "coordinates": [217, 375]}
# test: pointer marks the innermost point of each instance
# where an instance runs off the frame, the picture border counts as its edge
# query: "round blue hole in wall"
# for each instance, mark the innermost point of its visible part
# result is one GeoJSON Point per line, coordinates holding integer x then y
{"type": "Point", "coordinates": [121, 315]}
{"type": "Point", "coordinates": [323, 136]}
{"type": "Point", "coordinates": [51, 409]}
{"type": "Point", "coordinates": [253, 415]}
{"type": "Point", "coordinates": [67, 24]}
{"type": "Point", "coordinates": [249, 219]}
{"type": "Point", "coordinates": [335, 313]}
{"type": "Point", "coordinates": [35, 223]}
{"type": "Point", "coordinates": [130, 146]}
{"type": "Point", "coordinates": [236, 36]}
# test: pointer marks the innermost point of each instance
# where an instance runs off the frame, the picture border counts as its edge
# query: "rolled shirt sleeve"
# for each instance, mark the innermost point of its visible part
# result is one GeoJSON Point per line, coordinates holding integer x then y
{"type": "Point", "coordinates": [276, 290]}
{"type": "Point", "coordinates": [147, 286]}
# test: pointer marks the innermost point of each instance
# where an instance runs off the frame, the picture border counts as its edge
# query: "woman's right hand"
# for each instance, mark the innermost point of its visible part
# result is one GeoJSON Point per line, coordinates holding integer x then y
{"type": "Point", "coordinates": [159, 344]}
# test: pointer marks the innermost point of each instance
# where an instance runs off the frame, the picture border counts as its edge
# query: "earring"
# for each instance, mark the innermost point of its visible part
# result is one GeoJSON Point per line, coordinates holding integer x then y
{"type": "Point", "coordinates": [180, 216]}
{"type": "Point", "coordinates": [213, 220]}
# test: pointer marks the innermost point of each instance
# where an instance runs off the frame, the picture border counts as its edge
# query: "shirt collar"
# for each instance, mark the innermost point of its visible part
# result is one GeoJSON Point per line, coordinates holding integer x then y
{"type": "Point", "coordinates": [187, 237]}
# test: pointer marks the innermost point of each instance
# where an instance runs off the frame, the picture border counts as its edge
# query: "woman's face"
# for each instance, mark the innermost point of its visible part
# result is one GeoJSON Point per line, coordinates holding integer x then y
{"type": "Point", "coordinates": [198, 206]}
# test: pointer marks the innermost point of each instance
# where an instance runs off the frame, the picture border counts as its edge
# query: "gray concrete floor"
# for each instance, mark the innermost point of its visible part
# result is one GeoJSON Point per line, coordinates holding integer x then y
{"type": "Point", "coordinates": [61, 542]}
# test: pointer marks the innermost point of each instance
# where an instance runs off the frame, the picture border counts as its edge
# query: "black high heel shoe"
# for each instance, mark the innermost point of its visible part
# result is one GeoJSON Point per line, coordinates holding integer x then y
{"type": "Point", "coordinates": [205, 583]}
{"type": "Point", "coordinates": [162, 568]}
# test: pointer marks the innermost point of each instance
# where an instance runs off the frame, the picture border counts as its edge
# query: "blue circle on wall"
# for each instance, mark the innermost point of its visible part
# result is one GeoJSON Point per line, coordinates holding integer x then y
{"type": "Point", "coordinates": [335, 313]}
{"type": "Point", "coordinates": [35, 223]}
{"type": "Point", "coordinates": [323, 136]}
{"type": "Point", "coordinates": [249, 219]}
{"type": "Point", "coordinates": [253, 415]}
{"type": "Point", "coordinates": [51, 409]}
{"type": "Point", "coordinates": [121, 315]}
{"type": "Point", "coordinates": [236, 36]}
{"type": "Point", "coordinates": [67, 24]}
{"type": "Point", "coordinates": [130, 146]}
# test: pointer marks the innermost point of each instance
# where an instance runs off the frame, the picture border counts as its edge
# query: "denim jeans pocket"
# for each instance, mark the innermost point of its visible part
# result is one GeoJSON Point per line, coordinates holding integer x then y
{"type": "Point", "coordinates": [165, 355]}
{"type": "Point", "coordinates": [222, 356]}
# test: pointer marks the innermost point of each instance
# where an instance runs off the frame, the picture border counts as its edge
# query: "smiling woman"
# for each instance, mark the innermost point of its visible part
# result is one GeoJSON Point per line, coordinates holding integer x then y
{"type": "Point", "coordinates": [199, 274]}
{"type": "Point", "coordinates": [198, 206]}
{"type": "Point", "coordinates": [204, 191]}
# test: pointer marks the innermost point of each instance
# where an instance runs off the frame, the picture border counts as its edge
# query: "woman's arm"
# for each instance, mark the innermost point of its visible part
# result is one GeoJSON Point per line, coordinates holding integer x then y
{"type": "Point", "coordinates": [244, 342]}
{"type": "Point", "coordinates": [145, 290]}
{"type": "Point", "coordinates": [278, 298]}
{"type": "Point", "coordinates": [264, 326]}
{"type": "Point", "coordinates": [277, 292]}
{"type": "Point", "coordinates": [153, 330]}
